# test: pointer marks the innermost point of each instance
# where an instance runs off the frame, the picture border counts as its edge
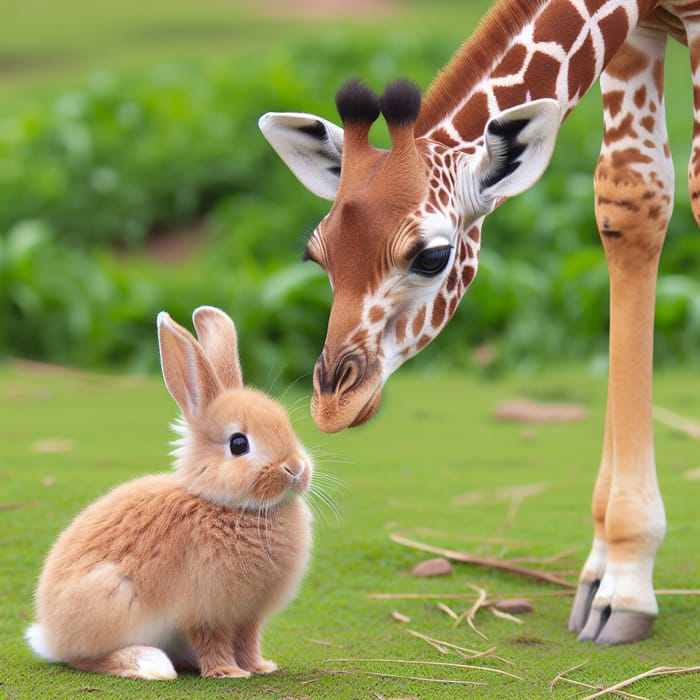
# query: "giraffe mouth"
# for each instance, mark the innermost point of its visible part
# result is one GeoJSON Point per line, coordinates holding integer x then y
{"type": "Point", "coordinates": [333, 413]}
{"type": "Point", "coordinates": [369, 409]}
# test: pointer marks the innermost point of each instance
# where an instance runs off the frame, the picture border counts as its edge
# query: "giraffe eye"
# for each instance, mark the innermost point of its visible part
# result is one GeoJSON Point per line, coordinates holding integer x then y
{"type": "Point", "coordinates": [431, 261]}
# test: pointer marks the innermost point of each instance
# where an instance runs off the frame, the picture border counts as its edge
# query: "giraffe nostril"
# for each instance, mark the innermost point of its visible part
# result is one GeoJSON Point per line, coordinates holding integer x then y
{"type": "Point", "coordinates": [350, 373]}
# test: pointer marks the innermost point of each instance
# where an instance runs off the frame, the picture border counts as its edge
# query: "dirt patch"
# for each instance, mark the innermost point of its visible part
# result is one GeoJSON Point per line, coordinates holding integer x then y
{"type": "Point", "coordinates": [321, 10]}
{"type": "Point", "coordinates": [170, 246]}
{"type": "Point", "coordinates": [528, 411]}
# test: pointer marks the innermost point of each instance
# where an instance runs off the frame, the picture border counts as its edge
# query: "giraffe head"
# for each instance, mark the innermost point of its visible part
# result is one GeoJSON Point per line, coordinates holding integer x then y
{"type": "Point", "coordinates": [401, 242]}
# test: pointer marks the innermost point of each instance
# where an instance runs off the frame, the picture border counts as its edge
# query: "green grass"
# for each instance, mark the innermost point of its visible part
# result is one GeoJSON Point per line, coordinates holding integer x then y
{"type": "Point", "coordinates": [46, 43]}
{"type": "Point", "coordinates": [434, 440]}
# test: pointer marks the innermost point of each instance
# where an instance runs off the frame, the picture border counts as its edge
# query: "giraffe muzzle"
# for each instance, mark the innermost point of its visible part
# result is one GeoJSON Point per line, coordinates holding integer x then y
{"type": "Point", "coordinates": [346, 395]}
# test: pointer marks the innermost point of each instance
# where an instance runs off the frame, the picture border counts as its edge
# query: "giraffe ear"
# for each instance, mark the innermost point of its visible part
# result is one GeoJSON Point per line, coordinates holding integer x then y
{"type": "Point", "coordinates": [519, 145]}
{"type": "Point", "coordinates": [310, 146]}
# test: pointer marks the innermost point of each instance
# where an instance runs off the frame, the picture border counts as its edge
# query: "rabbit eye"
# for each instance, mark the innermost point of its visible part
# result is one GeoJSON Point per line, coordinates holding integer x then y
{"type": "Point", "coordinates": [239, 444]}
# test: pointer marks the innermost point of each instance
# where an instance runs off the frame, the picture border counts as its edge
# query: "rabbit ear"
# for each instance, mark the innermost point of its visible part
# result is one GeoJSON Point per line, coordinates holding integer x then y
{"type": "Point", "coordinates": [188, 374]}
{"type": "Point", "coordinates": [217, 334]}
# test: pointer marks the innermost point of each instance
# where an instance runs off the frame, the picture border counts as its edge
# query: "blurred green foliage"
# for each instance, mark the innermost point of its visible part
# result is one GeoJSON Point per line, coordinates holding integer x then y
{"type": "Point", "coordinates": [87, 178]}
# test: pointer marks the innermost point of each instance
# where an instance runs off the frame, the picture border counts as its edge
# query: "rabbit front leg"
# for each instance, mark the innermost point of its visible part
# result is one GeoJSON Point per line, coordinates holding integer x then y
{"type": "Point", "coordinates": [246, 648]}
{"type": "Point", "coordinates": [215, 654]}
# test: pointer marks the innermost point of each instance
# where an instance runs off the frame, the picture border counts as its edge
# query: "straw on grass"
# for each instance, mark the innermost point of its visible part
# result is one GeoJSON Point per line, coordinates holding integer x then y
{"type": "Point", "coordinates": [444, 647]}
{"type": "Point", "coordinates": [448, 611]}
{"type": "Point", "coordinates": [324, 643]}
{"type": "Point", "coordinates": [688, 426]}
{"type": "Point", "coordinates": [528, 594]}
{"type": "Point", "coordinates": [660, 671]}
{"type": "Point", "coordinates": [415, 662]}
{"type": "Point", "coordinates": [505, 615]}
{"type": "Point", "coordinates": [421, 678]}
{"type": "Point", "coordinates": [470, 614]}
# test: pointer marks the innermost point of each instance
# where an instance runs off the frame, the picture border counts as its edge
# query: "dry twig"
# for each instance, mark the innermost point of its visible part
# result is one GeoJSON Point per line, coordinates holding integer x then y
{"type": "Point", "coordinates": [488, 562]}
{"type": "Point", "coordinates": [529, 594]}
{"type": "Point", "coordinates": [660, 671]}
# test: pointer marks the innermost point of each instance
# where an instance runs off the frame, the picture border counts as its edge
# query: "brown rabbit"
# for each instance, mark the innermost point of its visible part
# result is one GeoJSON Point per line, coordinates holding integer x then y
{"type": "Point", "coordinates": [182, 570]}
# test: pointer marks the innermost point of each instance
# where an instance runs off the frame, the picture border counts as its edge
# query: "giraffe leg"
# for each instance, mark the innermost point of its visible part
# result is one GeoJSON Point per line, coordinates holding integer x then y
{"type": "Point", "coordinates": [634, 185]}
{"type": "Point", "coordinates": [692, 27]}
{"type": "Point", "coordinates": [594, 567]}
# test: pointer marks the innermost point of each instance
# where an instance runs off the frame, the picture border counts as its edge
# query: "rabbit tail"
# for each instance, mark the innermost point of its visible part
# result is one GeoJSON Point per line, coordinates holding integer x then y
{"type": "Point", "coordinates": [37, 641]}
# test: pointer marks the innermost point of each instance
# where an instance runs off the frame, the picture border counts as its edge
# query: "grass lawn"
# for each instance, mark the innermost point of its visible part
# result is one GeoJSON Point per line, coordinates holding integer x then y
{"type": "Point", "coordinates": [435, 466]}
{"type": "Point", "coordinates": [45, 44]}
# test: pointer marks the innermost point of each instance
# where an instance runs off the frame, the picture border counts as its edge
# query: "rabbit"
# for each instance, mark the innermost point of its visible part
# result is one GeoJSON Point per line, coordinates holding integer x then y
{"type": "Point", "coordinates": [181, 570]}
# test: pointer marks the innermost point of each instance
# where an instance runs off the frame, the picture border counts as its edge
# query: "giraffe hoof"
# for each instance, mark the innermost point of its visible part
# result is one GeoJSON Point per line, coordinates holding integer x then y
{"type": "Point", "coordinates": [597, 618]}
{"type": "Point", "coordinates": [582, 604]}
{"type": "Point", "coordinates": [626, 627]}
{"type": "Point", "coordinates": [617, 626]}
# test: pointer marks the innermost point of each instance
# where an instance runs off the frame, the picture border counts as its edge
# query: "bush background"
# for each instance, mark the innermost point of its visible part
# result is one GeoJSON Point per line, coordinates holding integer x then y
{"type": "Point", "coordinates": [133, 178]}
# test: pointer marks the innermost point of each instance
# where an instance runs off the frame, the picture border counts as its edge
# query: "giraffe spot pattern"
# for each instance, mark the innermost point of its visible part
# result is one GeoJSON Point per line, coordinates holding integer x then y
{"type": "Point", "coordinates": [628, 156]}
{"type": "Point", "coordinates": [615, 24]}
{"type": "Point", "coordinates": [627, 64]}
{"type": "Point", "coordinates": [423, 341]}
{"type": "Point", "coordinates": [418, 321]}
{"type": "Point", "coordinates": [437, 317]}
{"type": "Point", "coordinates": [559, 23]}
{"type": "Point", "coordinates": [623, 130]}
{"type": "Point", "coordinates": [512, 62]}
{"type": "Point", "coordinates": [468, 121]}
{"type": "Point", "coordinates": [541, 75]}
{"type": "Point", "coordinates": [648, 123]}
{"type": "Point", "coordinates": [612, 102]}
{"type": "Point", "coordinates": [468, 274]}
{"type": "Point", "coordinates": [401, 329]}
{"type": "Point", "coordinates": [581, 68]}
{"type": "Point", "coordinates": [443, 136]}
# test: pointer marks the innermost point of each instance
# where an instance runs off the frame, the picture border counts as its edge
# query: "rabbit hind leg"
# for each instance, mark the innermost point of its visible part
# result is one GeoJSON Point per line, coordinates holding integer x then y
{"type": "Point", "coordinates": [148, 663]}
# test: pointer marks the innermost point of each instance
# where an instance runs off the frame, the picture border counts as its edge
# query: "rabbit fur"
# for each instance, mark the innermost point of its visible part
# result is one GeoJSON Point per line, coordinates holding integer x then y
{"type": "Point", "coordinates": [181, 570]}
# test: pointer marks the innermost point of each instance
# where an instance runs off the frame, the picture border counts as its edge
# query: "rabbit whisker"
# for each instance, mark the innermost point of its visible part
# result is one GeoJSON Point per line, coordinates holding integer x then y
{"type": "Point", "coordinates": [293, 384]}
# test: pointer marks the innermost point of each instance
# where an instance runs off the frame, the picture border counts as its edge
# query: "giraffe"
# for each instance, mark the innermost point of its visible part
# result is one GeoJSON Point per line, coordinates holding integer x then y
{"type": "Point", "coordinates": [401, 241]}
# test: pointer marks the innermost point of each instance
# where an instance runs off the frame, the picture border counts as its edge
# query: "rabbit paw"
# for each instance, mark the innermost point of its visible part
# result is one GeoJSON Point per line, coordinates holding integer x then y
{"type": "Point", "coordinates": [263, 666]}
{"type": "Point", "coordinates": [226, 672]}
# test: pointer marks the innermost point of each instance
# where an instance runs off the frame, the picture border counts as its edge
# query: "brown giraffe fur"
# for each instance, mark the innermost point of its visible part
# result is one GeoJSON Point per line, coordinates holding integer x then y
{"type": "Point", "coordinates": [485, 123]}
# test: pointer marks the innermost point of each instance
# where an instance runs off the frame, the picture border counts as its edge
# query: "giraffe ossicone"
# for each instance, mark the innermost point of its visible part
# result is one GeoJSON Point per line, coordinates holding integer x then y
{"type": "Point", "coordinates": [401, 241]}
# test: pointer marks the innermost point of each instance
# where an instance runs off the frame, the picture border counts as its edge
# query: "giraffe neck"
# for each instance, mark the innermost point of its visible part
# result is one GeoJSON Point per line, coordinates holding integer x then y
{"type": "Point", "coordinates": [525, 51]}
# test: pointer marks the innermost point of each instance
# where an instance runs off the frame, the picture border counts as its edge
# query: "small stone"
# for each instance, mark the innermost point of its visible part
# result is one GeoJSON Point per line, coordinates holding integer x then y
{"type": "Point", "coordinates": [433, 567]}
{"type": "Point", "coordinates": [529, 435]}
{"type": "Point", "coordinates": [514, 606]}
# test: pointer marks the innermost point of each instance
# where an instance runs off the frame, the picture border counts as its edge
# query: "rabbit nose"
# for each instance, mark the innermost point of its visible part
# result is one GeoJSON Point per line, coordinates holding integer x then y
{"type": "Point", "coordinates": [294, 468]}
